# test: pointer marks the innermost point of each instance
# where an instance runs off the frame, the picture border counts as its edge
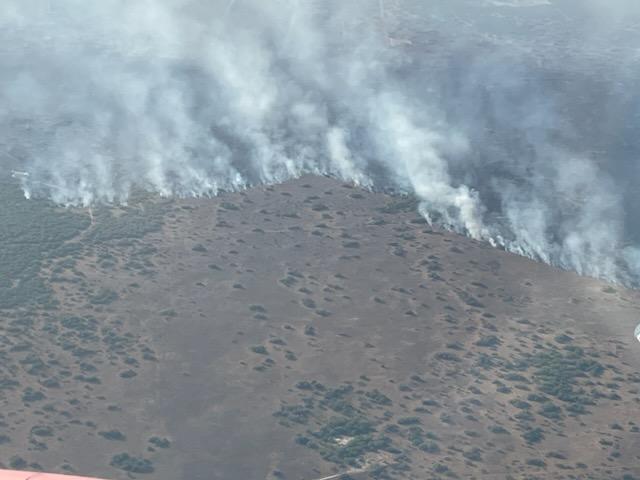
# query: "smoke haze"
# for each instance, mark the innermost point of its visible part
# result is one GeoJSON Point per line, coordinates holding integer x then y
{"type": "Point", "coordinates": [511, 121]}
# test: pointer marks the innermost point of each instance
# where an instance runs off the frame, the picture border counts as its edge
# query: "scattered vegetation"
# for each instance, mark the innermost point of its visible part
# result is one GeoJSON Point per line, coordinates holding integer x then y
{"type": "Point", "coordinates": [32, 231]}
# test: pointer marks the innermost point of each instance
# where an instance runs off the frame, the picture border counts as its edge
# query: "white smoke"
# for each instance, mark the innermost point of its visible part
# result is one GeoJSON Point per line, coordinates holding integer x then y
{"type": "Point", "coordinates": [521, 139]}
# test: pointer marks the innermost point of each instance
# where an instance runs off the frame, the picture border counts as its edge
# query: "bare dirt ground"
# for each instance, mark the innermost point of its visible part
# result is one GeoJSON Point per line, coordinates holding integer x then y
{"type": "Point", "coordinates": [307, 329]}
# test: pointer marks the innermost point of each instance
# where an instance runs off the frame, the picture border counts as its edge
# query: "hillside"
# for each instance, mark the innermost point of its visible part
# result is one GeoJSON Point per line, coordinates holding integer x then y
{"type": "Point", "coordinates": [300, 330]}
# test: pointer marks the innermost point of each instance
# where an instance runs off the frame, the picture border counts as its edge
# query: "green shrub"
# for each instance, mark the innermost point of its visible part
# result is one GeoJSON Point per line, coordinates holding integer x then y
{"type": "Point", "coordinates": [199, 248]}
{"type": "Point", "coordinates": [160, 442]}
{"type": "Point", "coordinates": [42, 431]}
{"type": "Point", "coordinates": [562, 338]}
{"type": "Point", "coordinates": [378, 398]}
{"type": "Point", "coordinates": [498, 430]}
{"type": "Point", "coordinates": [131, 464]}
{"type": "Point", "coordinates": [475, 455]}
{"type": "Point", "coordinates": [430, 447]}
{"type": "Point", "coordinates": [551, 411]}
{"type": "Point", "coordinates": [488, 341]}
{"type": "Point", "coordinates": [535, 435]}
{"type": "Point", "coordinates": [409, 421]}
{"type": "Point", "coordinates": [31, 395]}
{"type": "Point", "coordinates": [399, 205]}
{"type": "Point", "coordinates": [295, 413]}
{"type": "Point", "coordinates": [229, 206]}
{"type": "Point", "coordinates": [18, 463]}
{"type": "Point", "coordinates": [447, 356]}
{"type": "Point", "coordinates": [516, 377]}
{"type": "Point", "coordinates": [534, 397]}
{"type": "Point", "coordinates": [114, 435]}
{"type": "Point", "coordinates": [520, 404]}
{"type": "Point", "coordinates": [344, 427]}
{"type": "Point", "coordinates": [576, 409]}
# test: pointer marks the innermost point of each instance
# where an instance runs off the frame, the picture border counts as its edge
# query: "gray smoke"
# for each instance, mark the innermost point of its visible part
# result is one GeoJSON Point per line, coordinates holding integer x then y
{"type": "Point", "coordinates": [512, 121]}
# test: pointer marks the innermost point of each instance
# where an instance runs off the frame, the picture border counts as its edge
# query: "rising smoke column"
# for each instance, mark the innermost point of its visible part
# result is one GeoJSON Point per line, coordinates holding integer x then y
{"type": "Point", "coordinates": [504, 136]}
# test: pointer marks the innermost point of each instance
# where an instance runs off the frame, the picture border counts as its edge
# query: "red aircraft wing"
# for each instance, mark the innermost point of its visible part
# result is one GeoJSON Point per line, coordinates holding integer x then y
{"type": "Point", "coordinates": [15, 475]}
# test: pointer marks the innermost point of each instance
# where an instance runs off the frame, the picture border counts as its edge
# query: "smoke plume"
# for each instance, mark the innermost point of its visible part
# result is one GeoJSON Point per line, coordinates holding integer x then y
{"type": "Point", "coordinates": [511, 121]}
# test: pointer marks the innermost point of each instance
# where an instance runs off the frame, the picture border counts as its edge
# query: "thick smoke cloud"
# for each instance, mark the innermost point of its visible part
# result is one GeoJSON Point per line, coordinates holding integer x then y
{"type": "Point", "coordinates": [511, 121]}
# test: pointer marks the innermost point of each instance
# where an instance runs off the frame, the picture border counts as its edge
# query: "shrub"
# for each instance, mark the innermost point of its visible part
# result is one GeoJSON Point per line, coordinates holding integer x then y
{"type": "Point", "coordinates": [440, 468]}
{"type": "Point", "coordinates": [576, 409]}
{"type": "Point", "coordinates": [160, 442]}
{"type": "Point", "coordinates": [447, 356]}
{"type": "Point", "coordinates": [562, 338]}
{"type": "Point", "coordinates": [379, 398]}
{"type": "Point", "coordinates": [114, 435]}
{"type": "Point", "coordinates": [409, 421]}
{"type": "Point", "coordinates": [344, 427]}
{"type": "Point", "coordinates": [516, 377]}
{"type": "Point", "coordinates": [18, 463]}
{"type": "Point", "coordinates": [535, 435]}
{"type": "Point", "coordinates": [534, 397]}
{"type": "Point", "coordinates": [475, 455]}
{"type": "Point", "coordinates": [520, 404]}
{"type": "Point", "coordinates": [309, 303]}
{"type": "Point", "coordinates": [430, 447]}
{"type": "Point", "coordinates": [551, 411]}
{"type": "Point", "coordinates": [229, 206]}
{"type": "Point", "coordinates": [131, 464]}
{"type": "Point", "coordinates": [488, 341]}
{"type": "Point", "coordinates": [498, 430]}
{"type": "Point", "coordinates": [295, 413]}
{"type": "Point", "coordinates": [42, 431]}
{"type": "Point", "coordinates": [304, 385]}
{"type": "Point", "coordinates": [199, 248]}
{"type": "Point", "coordinates": [31, 395]}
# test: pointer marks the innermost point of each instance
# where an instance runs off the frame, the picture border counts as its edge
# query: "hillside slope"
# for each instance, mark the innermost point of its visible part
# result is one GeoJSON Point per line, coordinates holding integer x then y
{"type": "Point", "coordinates": [305, 329]}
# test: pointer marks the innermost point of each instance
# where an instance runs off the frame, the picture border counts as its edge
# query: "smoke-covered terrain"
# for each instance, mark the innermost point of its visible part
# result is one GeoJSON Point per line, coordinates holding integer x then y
{"type": "Point", "coordinates": [511, 121]}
